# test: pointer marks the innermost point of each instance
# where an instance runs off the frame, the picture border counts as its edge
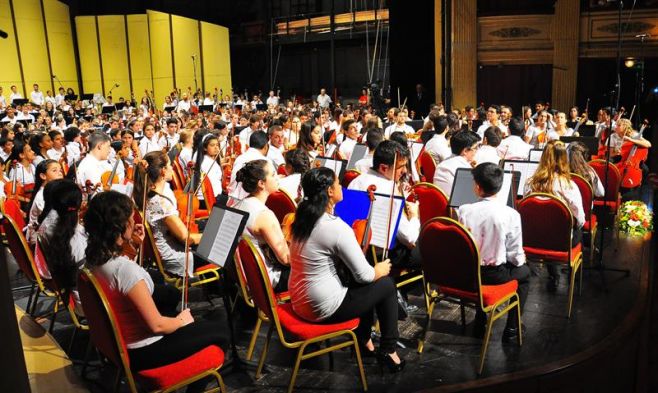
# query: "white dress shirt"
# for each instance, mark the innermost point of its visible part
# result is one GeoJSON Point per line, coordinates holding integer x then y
{"type": "Point", "coordinates": [406, 128]}
{"type": "Point", "coordinates": [244, 136]}
{"type": "Point", "coordinates": [154, 144]}
{"type": "Point", "coordinates": [183, 106]}
{"type": "Point", "coordinates": [438, 147]}
{"type": "Point", "coordinates": [514, 148]}
{"type": "Point", "coordinates": [36, 97]}
{"type": "Point", "coordinates": [444, 175]}
{"type": "Point", "coordinates": [347, 147]}
{"type": "Point", "coordinates": [487, 153]}
{"type": "Point", "coordinates": [91, 169]}
{"type": "Point", "coordinates": [275, 154]}
{"type": "Point", "coordinates": [23, 175]}
{"type": "Point", "coordinates": [214, 173]}
{"type": "Point", "coordinates": [323, 100]}
{"type": "Point", "coordinates": [496, 230]}
{"type": "Point", "coordinates": [364, 164]}
{"type": "Point", "coordinates": [503, 128]}
{"type": "Point", "coordinates": [408, 230]}
{"type": "Point", "coordinates": [235, 188]}
{"type": "Point", "coordinates": [14, 96]}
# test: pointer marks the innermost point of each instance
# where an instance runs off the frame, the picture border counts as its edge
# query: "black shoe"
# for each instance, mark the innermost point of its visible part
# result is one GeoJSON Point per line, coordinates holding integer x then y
{"type": "Point", "coordinates": [552, 284]}
{"type": "Point", "coordinates": [385, 360]}
{"type": "Point", "coordinates": [512, 333]}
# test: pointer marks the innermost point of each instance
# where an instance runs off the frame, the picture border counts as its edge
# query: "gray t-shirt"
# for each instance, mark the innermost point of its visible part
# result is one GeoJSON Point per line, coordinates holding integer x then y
{"type": "Point", "coordinates": [172, 252]}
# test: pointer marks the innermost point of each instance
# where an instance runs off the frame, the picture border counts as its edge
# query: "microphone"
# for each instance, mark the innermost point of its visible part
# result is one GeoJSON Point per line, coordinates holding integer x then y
{"type": "Point", "coordinates": [53, 76]}
{"type": "Point", "coordinates": [116, 85]}
{"type": "Point", "coordinates": [3, 34]}
{"type": "Point", "coordinates": [193, 57]}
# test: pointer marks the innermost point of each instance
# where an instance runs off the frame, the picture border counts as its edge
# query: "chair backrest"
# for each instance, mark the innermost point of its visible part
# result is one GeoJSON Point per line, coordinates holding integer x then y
{"type": "Point", "coordinates": [149, 249]}
{"type": "Point", "coordinates": [40, 263]}
{"type": "Point", "coordinates": [350, 175]}
{"type": "Point", "coordinates": [281, 170]}
{"type": "Point", "coordinates": [178, 170]}
{"type": "Point", "coordinates": [586, 193]}
{"type": "Point", "coordinates": [546, 222]}
{"type": "Point", "coordinates": [103, 326]}
{"type": "Point", "coordinates": [614, 178]}
{"type": "Point", "coordinates": [242, 280]}
{"type": "Point", "coordinates": [281, 204]}
{"type": "Point", "coordinates": [427, 165]}
{"type": "Point", "coordinates": [12, 208]}
{"type": "Point", "coordinates": [20, 250]}
{"type": "Point", "coordinates": [258, 280]}
{"type": "Point", "coordinates": [432, 201]}
{"type": "Point", "coordinates": [450, 257]}
{"type": "Point", "coordinates": [208, 193]}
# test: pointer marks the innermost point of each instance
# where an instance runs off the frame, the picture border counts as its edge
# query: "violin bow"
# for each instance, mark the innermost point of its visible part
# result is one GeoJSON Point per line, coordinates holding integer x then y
{"type": "Point", "coordinates": [189, 213]}
{"type": "Point", "coordinates": [390, 210]}
{"type": "Point", "coordinates": [143, 213]}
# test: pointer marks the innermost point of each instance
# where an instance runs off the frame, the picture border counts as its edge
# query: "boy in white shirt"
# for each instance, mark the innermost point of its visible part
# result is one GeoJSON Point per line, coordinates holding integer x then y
{"type": "Point", "coordinates": [496, 229]}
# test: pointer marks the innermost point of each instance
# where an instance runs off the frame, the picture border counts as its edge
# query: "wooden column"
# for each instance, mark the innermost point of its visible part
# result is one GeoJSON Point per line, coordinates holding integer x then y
{"type": "Point", "coordinates": [438, 74]}
{"type": "Point", "coordinates": [565, 30]}
{"type": "Point", "coordinates": [464, 53]}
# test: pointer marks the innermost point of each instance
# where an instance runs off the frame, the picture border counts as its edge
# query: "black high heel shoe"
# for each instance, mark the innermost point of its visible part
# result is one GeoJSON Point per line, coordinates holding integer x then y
{"type": "Point", "coordinates": [385, 359]}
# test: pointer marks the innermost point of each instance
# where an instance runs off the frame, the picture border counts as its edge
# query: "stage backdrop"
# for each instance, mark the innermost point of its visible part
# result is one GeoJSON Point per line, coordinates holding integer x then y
{"type": "Point", "coordinates": [39, 44]}
{"type": "Point", "coordinates": [151, 51]}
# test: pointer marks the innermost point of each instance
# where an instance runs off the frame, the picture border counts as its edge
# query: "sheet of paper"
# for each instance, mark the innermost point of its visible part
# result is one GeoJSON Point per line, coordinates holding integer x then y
{"type": "Point", "coordinates": [527, 170]}
{"type": "Point", "coordinates": [334, 165]}
{"type": "Point", "coordinates": [358, 153]}
{"type": "Point", "coordinates": [503, 194]}
{"type": "Point", "coordinates": [379, 220]}
{"type": "Point", "coordinates": [226, 235]}
{"type": "Point", "coordinates": [535, 155]}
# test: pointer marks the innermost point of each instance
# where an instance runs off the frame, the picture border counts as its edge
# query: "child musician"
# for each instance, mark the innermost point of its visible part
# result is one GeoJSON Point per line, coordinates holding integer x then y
{"type": "Point", "coordinates": [496, 229]}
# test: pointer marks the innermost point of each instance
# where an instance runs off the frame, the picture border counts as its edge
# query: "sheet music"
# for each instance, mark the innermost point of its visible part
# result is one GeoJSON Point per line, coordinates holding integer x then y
{"type": "Point", "coordinates": [221, 232]}
{"type": "Point", "coordinates": [330, 150]}
{"type": "Point", "coordinates": [526, 168]}
{"type": "Point", "coordinates": [506, 188]}
{"type": "Point", "coordinates": [535, 155]}
{"type": "Point", "coordinates": [379, 220]}
{"type": "Point", "coordinates": [463, 192]}
{"type": "Point", "coordinates": [358, 153]}
{"type": "Point", "coordinates": [416, 148]}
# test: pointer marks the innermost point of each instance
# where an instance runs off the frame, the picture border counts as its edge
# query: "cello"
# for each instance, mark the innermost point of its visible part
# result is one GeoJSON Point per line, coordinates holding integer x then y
{"type": "Point", "coordinates": [632, 157]}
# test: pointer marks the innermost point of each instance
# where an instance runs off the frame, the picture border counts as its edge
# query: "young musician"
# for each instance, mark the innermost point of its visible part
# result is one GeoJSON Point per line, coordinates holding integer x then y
{"type": "Point", "coordinates": [553, 177]}
{"type": "Point", "coordinates": [259, 179]}
{"type": "Point", "coordinates": [463, 145]}
{"type": "Point", "coordinates": [46, 171]}
{"type": "Point", "coordinates": [40, 144]}
{"type": "Point", "coordinates": [560, 128]}
{"type": "Point", "coordinates": [513, 147]}
{"type": "Point", "coordinates": [95, 162]}
{"type": "Point", "coordinates": [58, 149]}
{"type": "Point", "coordinates": [208, 160]}
{"type": "Point", "coordinates": [400, 124]}
{"type": "Point", "coordinates": [351, 135]}
{"type": "Point", "coordinates": [24, 170]}
{"type": "Point", "coordinates": [310, 140]}
{"type": "Point", "coordinates": [488, 152]}
{"type": "Point", "coordinates": [151, 141]}
{"type": "Point", "coordinates": [275, 150]}
{"type": "Point", "coordinates": [536, 134]}
{"type": "Point", "coordinates": [624, 133]}
{"type": "Point", "coordinates": [297, 164]}
{"type": "Point", "coordinates": [493, 119]}
{"type": "Point", "coordinates": [496, 229]}
{"type": "Point", "coordinates": [578, 154]}
{"type": "Point", "coordinates": [374, 136]}
{"type": "Point", "coordinates": [438, 145]}
{"type": "Point", "coordinates": [153, 340]}
{"type": "Point", "coordinates": [169, 231]}
{"type": "Point", "coordinates": [320, 242]}
{"type": "Point", "coordinates": [258, 147]}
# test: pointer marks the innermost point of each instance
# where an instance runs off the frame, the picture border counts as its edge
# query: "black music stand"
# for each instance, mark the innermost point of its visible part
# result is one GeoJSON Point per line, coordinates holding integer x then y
{"type": "Point", "coordinates": [462, 192]}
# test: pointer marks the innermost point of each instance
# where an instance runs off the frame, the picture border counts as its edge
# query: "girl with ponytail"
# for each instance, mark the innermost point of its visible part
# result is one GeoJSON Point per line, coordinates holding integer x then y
{"type": "Point", "coordinates": [47, 171]}
{"type": "Point", "coordinates": [208, 162]}
{"type": "Point", "coordinates": [260, 179]}
{"type": "Point", "coordinates": [169, 231]}
{"type": "Point", "coordinates": [320, 242]}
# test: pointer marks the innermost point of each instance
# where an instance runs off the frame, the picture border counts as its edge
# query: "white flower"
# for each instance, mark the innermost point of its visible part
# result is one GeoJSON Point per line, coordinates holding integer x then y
{"type": "Point", "coordinates": [633, 223]}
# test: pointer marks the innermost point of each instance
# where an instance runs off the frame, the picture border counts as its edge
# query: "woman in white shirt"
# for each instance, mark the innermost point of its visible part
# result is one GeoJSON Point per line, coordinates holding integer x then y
{"type": "Point", "coordinates": [46, 171]}
{"type": "Point", "coordinates": [560, 127]}
{"type": "Point", "coordinates": [297, 163]}
{"type": "Point", "coordinates": [536, 134]}
{"type": "Point", "coordinates": [208, 160]}
{"type": "Point", "coordinates": [259, 179]}
{"type": "Point", "coordinates": [40, 144]}
{"type": "Point", "coordinates": [321, 242]}
{"type": "Point", "coordinates": [23, 171]}
{"type": "Point", "coordinates": [553, 177]}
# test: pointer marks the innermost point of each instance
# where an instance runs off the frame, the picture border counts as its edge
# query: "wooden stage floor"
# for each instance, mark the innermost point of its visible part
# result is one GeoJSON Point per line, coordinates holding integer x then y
{"type": "Point", "coordinates": [449, 360]}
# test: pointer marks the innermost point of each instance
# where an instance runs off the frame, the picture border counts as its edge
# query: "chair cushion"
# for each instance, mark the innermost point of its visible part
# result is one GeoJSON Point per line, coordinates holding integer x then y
{"type": "Point", "coordinates": [204, 268]}
{"type": "Point", "coordinates": [552, 255]}
{"type": "Point", "coordinates": [305, 330]}
{"type": "Point", "coordinates": [490, 293]}
{"type": "Point", "coordinates": [591, 224]}
{"type": "Point", "coordinates": [209, 358]}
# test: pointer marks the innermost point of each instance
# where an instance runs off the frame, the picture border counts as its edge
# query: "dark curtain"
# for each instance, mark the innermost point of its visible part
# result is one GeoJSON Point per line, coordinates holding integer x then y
{"type": "Point", "coordinates": [514, 85]}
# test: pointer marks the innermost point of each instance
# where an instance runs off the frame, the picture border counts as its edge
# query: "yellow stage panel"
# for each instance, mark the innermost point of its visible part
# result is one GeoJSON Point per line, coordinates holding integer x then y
{"type": "Point", "coordinates": [216, 57]}
{"type": "Point", "coordinates": [88, 50]}
{"type": "Point", "coordinates": [114, 55]}
{"type": "Point", "coordinates": [32, 41]}
{"type": "Point", "coordinates": [60, 40]}
{"type": "Point", "coordinates": [10, 71]}
{"type": "Point", "coordinates": [140, 58]}
{"type": "Point", "coordinates": [186, 45]}
{"type": "Point", "coordinates": [159, 33]}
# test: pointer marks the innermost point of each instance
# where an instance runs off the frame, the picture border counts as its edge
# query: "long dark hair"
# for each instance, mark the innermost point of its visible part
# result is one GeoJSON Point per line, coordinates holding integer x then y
{"type": "Point", "coordinates": [64, 197]}
{"type": "Point", "coordinates": [156, 162]}
{"type": "Point", "coordinates": [305, 138]}
{"type": "Point", "coordinates": [315, 183]}
{"type": "Point", "coordinates": [42, 168]}
{"type": "Point", "coordinates": [35, 143]}
{"type": "Point", "coordinates": [201, 142]}
{"type": "Point", "coordinates": [105, 221]}
{"type": "Point", "coordinates": [250, 174]}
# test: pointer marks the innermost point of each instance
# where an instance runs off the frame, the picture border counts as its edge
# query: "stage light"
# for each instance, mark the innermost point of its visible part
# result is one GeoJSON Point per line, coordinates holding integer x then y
{"type": "Point", "coordinates": [629, 62]}
{"type": "Point", "coordinates": [655, 90]}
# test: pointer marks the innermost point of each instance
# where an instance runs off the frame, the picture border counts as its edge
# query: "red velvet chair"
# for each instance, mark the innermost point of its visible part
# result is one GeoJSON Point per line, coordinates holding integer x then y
{"type": "Point", "coordinates": [281, 203]}
{"type": "Point", "coordinates": [427, 166]}
{"type": "Point", "coordinates": [281, 170]}
{"type": "Point", "coordinates": [550, 242]}
{"type": "Point", "coordinates": [350, 175]}
{"type": "Point", "coordinates": [283, 318]}
{"type": "Point", "coordinates": [612, 197]}
{"type": "Point", "coordinates": [591, 223]}
{"type": "Point", "coordinates": [208, 193]}
{"type": "Point", "coordinates": [432, 201]}
{"type": "Point", "coordinates": [99, 302]}
{"type": "Point", "coordinates": [451, 261]}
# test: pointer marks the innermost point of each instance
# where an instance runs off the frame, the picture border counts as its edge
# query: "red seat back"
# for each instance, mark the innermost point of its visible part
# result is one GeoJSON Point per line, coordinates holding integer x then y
{"type": "Point", "coordinates": [554, 233]}
{"type": "Point", "coordinates": [281, 170]}
{"type": "Point", "coordinates": [208, 193]}
{"type": "Point", "coordinates": [19, 249]}
{"type": "Point", "coordinates": [257, 278]}
{"type": "Point", "coordinates": [281, 204]}
{"type": "Point", "coordinates": [450, 257]}
{"type": "Point", "coordinates": [102, 323]}
{"type": "Point", "coordinates": [432, 201]}
{"type": "Point", "coordinates": [427, 165]}
{"type": "Point", "coordinates": [350, 175]}
{"type": "Point", "coordinates": [12, 208]}
{"type": "Point", "coordinates": [586, 193]}
{"type": "Point", "coordinates": [614, 178]}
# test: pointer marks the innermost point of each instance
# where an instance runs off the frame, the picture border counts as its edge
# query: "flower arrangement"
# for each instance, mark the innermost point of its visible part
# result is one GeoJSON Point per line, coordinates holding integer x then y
{"type": "Point", "coordinates": [635, 218]}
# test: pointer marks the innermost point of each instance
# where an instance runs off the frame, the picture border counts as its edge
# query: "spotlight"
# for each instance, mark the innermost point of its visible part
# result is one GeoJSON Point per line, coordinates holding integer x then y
{"type": "Point", "coordinates": [655, 90]}
{"type": "Point", "coordinates": [629, 62]}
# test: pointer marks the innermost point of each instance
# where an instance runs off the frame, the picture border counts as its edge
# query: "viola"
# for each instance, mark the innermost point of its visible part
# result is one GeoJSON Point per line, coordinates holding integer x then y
{"type": "Point", "coordinates": [361, 227]}
{"type": "Point", "coordinates": [110, 177]}
{"type": "Point", "coordinates": [15, 189]}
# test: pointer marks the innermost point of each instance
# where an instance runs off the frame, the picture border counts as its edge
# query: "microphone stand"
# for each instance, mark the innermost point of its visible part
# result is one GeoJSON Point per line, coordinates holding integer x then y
{"type": "Point", "coordinates": [601, 265]}
{"type": "Point", "coordinates": [196, 85]}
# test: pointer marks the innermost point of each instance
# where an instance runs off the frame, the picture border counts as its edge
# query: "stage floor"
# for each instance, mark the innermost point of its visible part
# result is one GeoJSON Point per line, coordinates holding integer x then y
{"type": "Point", "coordinates": [451, 354]}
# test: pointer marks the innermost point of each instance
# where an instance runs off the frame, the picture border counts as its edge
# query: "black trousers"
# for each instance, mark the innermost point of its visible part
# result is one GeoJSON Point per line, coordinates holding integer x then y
{"type": "Point", "coordinates": [492, 275]}
{"type": "Point", "coordinates": [361, 301]}
{"type": "Point", "coordinates": [282, 285]}
{"type": "Point", "coordinates": [576, 238]}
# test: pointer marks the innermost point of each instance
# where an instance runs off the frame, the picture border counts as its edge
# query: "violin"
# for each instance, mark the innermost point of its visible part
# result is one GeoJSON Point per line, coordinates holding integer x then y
{"type": "Point", "coordinates": [110, 177]}
{"type": "Point", "coordinates": [15, 189]}
{"type": "Point", "coordinates": [361, 227]}
{"type": "Point", "coordinates": [182, 200]}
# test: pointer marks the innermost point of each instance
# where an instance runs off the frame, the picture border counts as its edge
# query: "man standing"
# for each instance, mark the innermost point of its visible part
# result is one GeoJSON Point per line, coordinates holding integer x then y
{"type": "Point", "coordinates": [323, 99]}
{"type": "Point", "coordinates": [272, 100]}
{"type": "Point", "coordinates": [36, 97]}
{"type": "Point", "coordinates": [14, 94]}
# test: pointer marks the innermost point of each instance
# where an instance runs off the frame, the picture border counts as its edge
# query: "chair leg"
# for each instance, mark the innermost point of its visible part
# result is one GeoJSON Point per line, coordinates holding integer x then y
{"type": "Point", "coordinates": [421, 340]}
{"type": "Point", "coordinates": [462, 311]}
{"type": "Point", "coordinates": [254, 336]}
{"type": "Point", "coordinates": [70, 347]}
{"type": "Point", "coordinates": [518, 315]}
{"type": "Point", "coordinates": [29, 298]}
{"type": "Point", "coordinates": [360, 363]}
{"type": "Point", "coordinates": [295, 369]}
{"type": "Point", "coordinates": [485, 344]}
{"type": "Point", "coordinates": [580, 279]}
{"type": "Point", "coordinates": [52, 319]}
{"type": "Point", "coordinates": [85, 361]}
{"type": "Point", "coordinates": [220, 383]}
{"type": "Point", "coordinates": [263, 355]}
{"type": "Point", "coordinates": [36, 300]}
{"type": "Point", "coordinates": [331, 356]}
{"type": "Point", "coordinates": [572, 283]}
{"type": "Point", "coordinates": [117, 381]}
